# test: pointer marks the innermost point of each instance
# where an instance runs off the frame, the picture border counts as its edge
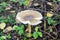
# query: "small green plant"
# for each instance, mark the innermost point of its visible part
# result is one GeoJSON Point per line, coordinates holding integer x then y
{"type": "Point", "coordinates": [5, 20]}
{"type": "Point", "coordinates": [50, 21]}
{"type": "Point", "coordinates": [25, 38]}
{"type": "Point", "coordinates": [19, 29]}
{"type": "Point", "coordinates": [1, 9]}
{"type": "Point", "coordinates": [27, 2]}
{"type": "Point", "coordinates": [5, 37]}
{"type": "Point", "coordinates": [51, 30]}
{"type": "Point", "coordinates": [8, 36]}
{"type": "Point", "coordinates": [2, 38]}
{"type": "Point", "coordinates": [36, 29]}
{"type": "Point", "coordinates": [37, 33]}
{"type": "Point", "coordinates": [15, 27]}
{"type": "Point", "coordinates": [26, 34]}
{"type": "Point", "coordinates": [58, 0]}
{"type": "Point", "coordinates": [24, 2]}
{"type": "Point", "coordinates": [1, 32]}
{"type": "Point", "coordinates": [11, 20]}
{"type": "Point", "coordinates": [13, 0]}
{"type": "Point", "coordinates": [1, 35]}
{"type": "Point", "coordinates": [2, 6]}
{"type": "Point", "coordinates": [20, 32]}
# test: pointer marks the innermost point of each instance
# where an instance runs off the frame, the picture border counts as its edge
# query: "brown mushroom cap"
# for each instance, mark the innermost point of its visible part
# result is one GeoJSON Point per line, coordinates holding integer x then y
{"type": "Point", "coordinates": [29, 17]}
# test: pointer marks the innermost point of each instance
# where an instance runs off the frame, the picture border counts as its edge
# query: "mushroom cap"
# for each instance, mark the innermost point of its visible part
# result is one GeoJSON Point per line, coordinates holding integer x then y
{"type": "Point", "coordinates": [29, 17]}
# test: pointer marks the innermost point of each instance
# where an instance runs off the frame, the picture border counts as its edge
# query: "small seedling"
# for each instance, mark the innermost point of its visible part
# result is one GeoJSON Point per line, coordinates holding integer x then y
{"type": "Point", "coordinates": [51, 30]}
{"type": "Point", "coordinates": [27, 2]}
{"type": "Point", "coordinates": [1, 9]}
{"type": "Point", "coordinates": [3, 20]}
{"type": "Point", "coordinates": [13, 0]}
{"type": "Point", "coordinates": [58, 0]}
{"type": "Point", "coordinates": [15, 27]}
{"type": "Point", "coordinates": [27, 35]}
{"type": "Point", "coordinates": [20, 32]}
{"type": "Point", "coordinates": [36, 29]}
{"type": "Point", "coordinates": [24, 2]}
{"type": "Point", "coordinates": [2, 38]}
{"type": "Point", "coordinates": [50, 21]}
{"type": "Point", "coordinates": [8, 36]}
{"type": "Point", "coordinates": [37, 33]}
{"type": "Point", "coordinates": [20, 29]}
{"type": "Point", "coordinates": [11, 20]}
{"type": "Point", "coordinates": [3, 4]}
{"type": "Point", "coordinates": [25, 38]}
{"type": "Point", "coordinates": [40, 34]}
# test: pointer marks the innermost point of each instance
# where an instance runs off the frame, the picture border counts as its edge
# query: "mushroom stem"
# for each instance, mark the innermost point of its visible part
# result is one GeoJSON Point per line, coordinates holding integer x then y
{"type": "Point", "coordinates": [29, 30]}
{"type": "Point", "coordinates": [44, 25]}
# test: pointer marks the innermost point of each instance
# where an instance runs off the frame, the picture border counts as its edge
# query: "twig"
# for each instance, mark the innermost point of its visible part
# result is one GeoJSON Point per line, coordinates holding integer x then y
{"type": "Point", "coordinates": [44, 25]}
{"type": "Point", "coordinates": [48, 34]}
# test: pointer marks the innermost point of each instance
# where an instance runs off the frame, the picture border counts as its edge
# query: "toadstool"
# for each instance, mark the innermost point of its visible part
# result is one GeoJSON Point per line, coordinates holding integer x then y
{"type": "Point", "coordinates": [29, 17]}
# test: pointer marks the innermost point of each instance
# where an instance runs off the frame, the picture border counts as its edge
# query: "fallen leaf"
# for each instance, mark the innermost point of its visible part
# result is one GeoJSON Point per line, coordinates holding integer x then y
{"type": "Point", "coordinates": [9, 28]}
{"type": "Point", "coordinates": [2, 25]}
{"type": "Point", "coordinates": [49, 14]}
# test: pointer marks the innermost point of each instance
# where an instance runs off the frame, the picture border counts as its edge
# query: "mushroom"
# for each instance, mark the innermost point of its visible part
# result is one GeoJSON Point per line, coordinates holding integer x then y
{"type": "Point", "coordinates": [29, 17]}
